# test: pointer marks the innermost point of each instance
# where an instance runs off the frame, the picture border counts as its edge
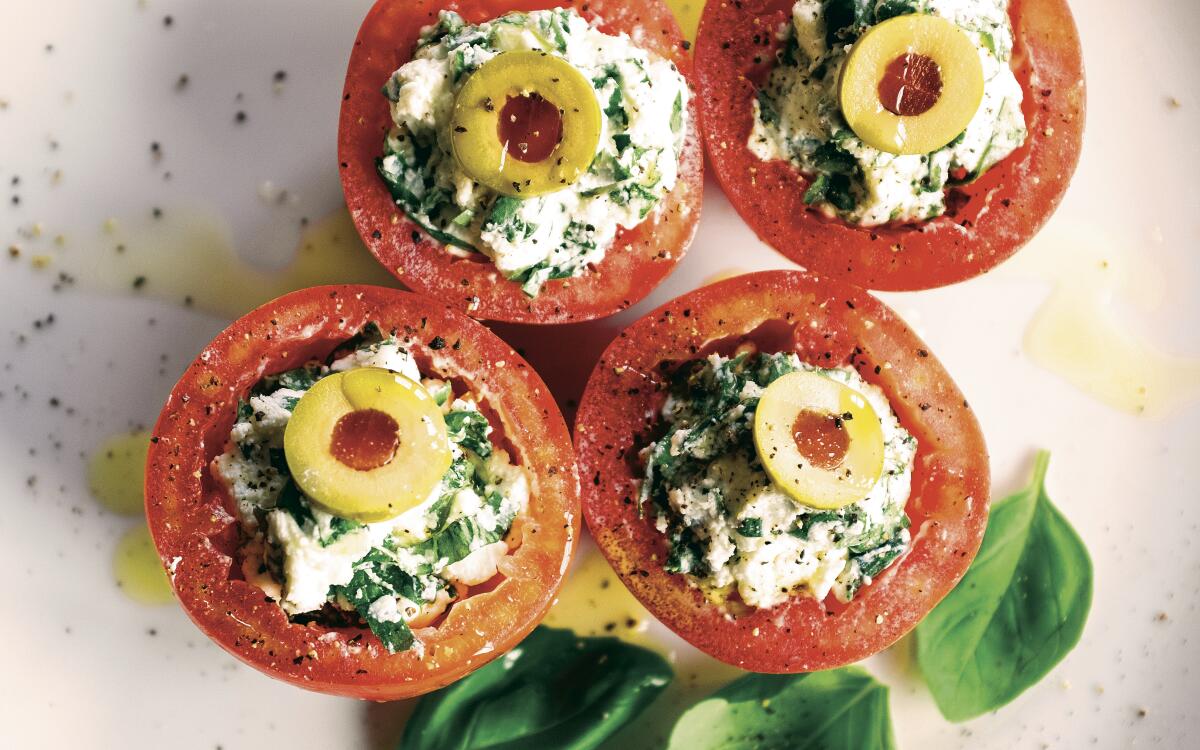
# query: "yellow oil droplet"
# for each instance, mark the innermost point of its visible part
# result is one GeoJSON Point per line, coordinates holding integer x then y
{"type": "Point", "coordinates": [138, 569]}
{"type": "Point", "coordinates": [330, 252]}
{"type": "Point", "coordinates": [188, 257]}
{"type": "Point", "coordinates": [594, 602]}
{"type": "Point", "coordinates": [1077, 336]}
{"type": "Point", "coordinates": [688, 12]}
{"type": "Point", "coordinates": [1081, 334]}
{"type": "Point", "coordinates": [116, 472]}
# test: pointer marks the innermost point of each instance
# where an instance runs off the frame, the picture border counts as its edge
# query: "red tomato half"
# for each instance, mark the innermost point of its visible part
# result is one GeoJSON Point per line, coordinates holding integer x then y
{"type": "Point", "coordinates": [825, 323]}
{"type": "Point", "coordinates": [191, 515]}
{"type": "Point", "coordinates": [638, 260]}
{"type": "Point", "coordinates": [987, 221]}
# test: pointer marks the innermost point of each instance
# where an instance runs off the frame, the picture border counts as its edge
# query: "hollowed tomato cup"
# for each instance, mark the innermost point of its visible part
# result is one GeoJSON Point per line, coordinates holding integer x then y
{"type": "Point", "coordinates": [987, 220]}
{"type": "Point", "coordinates": [196, 531]}
{"type": "Point", "coordinates": [639, 258]}
{"type": "Point", "coordinates": [827, 324]}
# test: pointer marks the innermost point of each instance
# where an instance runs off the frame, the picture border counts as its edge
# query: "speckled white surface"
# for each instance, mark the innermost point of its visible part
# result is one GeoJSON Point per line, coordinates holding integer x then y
{"type": "Point", "coordinates": [86, 87]}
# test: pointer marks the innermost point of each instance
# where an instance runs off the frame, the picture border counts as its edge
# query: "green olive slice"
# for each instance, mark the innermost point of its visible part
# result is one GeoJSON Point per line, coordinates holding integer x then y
{"type": "Point", "coordinates": [526, 124]}
{"type": "Point", "coordinates": [819, 440]}
{"type": "Point", "coordinates": [367, 444]}
{"type": "Point", "coordinates": [911, 84]}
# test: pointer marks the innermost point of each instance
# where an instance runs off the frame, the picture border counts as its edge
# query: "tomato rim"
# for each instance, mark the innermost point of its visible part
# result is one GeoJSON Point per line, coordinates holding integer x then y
{"type": "Point", "coordinates": [196, 533]}
{"type": "Point", "coordinates": [989, 220]}
{"type": "Point", "coordinates": [948, 504]}
{"type": "Point", "coordinates": [636, 263]}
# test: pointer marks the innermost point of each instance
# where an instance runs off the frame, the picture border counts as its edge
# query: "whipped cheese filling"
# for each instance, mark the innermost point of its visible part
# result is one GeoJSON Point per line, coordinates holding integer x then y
{"type": "Point", "coordinates": [555, 236]}
{"type": "Point", "coordinates": [797, 117]}
{"type": "Point", "coordinates": [730, 528]}
{"type": "Point", "coordinates": [394, 575]}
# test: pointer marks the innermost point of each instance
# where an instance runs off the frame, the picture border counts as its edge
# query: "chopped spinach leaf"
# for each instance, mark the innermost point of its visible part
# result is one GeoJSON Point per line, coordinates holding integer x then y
{"type": "Point", "coordinates": [376, 576]}
{"type": "Point", "coordinates": [292, 501]}
{"type": "Point", "coordinates": [804, 526]}
{"type": "Point", "coordinates": [886, 9]}
{"type": "Point", "coordinates": [614, 108]}
{"type": "Point", "coordinates": [463, 536]}
{"type": "Point", "coordinates": [846, 20]}
{"type": "Point", "coordinates": [750, 527]}
{"type": "Point", "coordinates": [504, 219]}
{"type": "Point", "coordinates": [300, 379]}
{"type": "Point", "coordinates": [685, 553]}
{"type": "Point", "coordinates": [554, 27]}
{"type": "Point", "coordinates": [834, 189]}
{"type": "Point", "coordinates": [872, 562]}
{"type": "Point", "coordinates": [470, 429]}
{"type": "Point", "coordinates": [404, 184]}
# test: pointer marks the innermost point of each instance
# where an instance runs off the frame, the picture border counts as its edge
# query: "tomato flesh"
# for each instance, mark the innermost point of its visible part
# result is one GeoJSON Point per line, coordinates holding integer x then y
{"type": "Point", "coordinates": [197, 534]}
{"type": "Point", "coordinates": [826, 323]}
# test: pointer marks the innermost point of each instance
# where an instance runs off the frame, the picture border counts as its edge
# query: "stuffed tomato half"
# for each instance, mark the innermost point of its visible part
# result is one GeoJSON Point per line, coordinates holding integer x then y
{"type": "Point", "coordinates": [531, 161]}
{"type": "Point", "coordinates": [780, 470]}
{"type": "Point", "coordinates": [362, 492]}
{"type": "Point", "coordinates": [893, 144]}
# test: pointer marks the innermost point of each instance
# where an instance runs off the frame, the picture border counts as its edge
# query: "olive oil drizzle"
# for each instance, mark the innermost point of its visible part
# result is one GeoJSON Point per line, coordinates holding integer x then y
{"type": "Point", "coordinates": [115, 475]}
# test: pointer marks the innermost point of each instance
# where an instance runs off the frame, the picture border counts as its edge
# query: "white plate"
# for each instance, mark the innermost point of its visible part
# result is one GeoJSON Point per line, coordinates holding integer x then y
{"type": "Point", "coordinates": [89, 668]}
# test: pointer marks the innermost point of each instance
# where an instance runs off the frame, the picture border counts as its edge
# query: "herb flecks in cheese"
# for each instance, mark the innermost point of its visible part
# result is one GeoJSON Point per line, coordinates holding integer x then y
{"type": "Point", "coordinates": [395, 575]}
{"type": "Point", "coordinates": [797, 117]}
{"type": "Point", "coordinates": [730, 528]}
{"type": "Point", "coordinates": [558, 235]}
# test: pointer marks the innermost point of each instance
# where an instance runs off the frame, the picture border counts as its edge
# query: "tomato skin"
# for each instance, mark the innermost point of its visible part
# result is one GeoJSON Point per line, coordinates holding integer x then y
{"type": "Point", "coordinates": [192, 521]}
{"type": "Point", "coordinates": [811, 316]}
{"type": "Point", "coordinates": [988, 221]}
{"type": "Point", "coordinates": [638, 260]}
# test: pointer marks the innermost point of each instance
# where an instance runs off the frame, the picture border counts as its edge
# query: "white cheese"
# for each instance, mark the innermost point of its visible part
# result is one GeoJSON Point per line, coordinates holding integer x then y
{"type": "Point", "coordinates": [310, 567]}
{"type": "Point", "coordinates": [768, 569]}
{"type": "Point", "coordinates": [422, 98]}
{"type": "Point", "coordinates": [477, 567]}
{"type": "Point", "coordinates": [388, 356]}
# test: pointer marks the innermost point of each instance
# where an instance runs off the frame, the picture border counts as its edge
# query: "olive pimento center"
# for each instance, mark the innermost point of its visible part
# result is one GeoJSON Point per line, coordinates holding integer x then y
{"type": "Point", "coordinates": [530, 127]}
{"type": "Point", "coordinates": [821, 438]}
{"type": "Point", "coordinates": [365, 440]}
{"type": "Point", "coordinates": [911, 85]}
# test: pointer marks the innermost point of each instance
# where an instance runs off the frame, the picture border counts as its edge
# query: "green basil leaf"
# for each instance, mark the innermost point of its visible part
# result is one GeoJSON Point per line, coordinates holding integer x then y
{"type": "Point", "coordinates": [1019, 610]}
{"type": "Point", "coordinates": [842, 709]}
{"type": "Point", "coordinates": [554, 690]}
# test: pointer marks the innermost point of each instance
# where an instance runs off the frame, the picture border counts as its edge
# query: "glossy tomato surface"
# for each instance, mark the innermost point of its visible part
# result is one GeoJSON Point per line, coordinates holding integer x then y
{"type": "Point", "coordinates": [192, 517]}
{"type": "Point", "coordinates": [829, 324]}
{"type": "Point", "coordinates": [987, 221]}
{"type": "Point", "coordinates": [638, 260]}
